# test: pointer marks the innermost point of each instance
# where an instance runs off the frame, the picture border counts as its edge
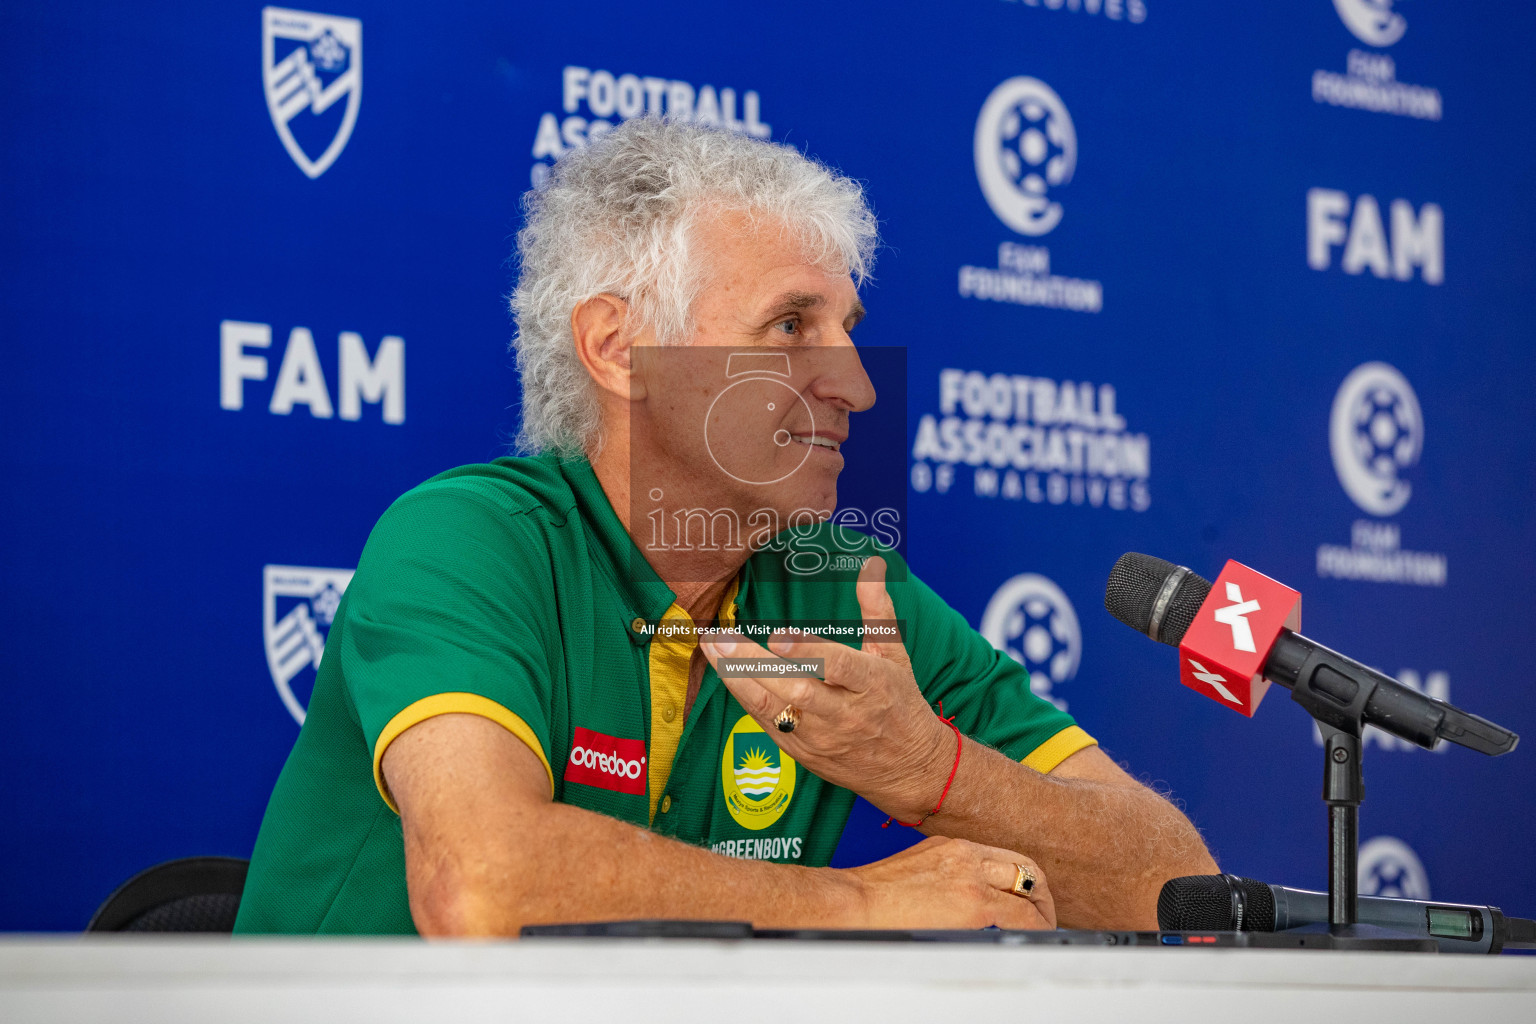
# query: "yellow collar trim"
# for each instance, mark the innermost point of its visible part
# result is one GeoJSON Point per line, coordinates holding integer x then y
{"type": "Point", "coordinates": [670, 657]}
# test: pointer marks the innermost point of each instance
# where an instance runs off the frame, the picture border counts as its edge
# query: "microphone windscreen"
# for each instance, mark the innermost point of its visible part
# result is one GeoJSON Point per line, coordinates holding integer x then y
{"type": "Point", "coordinates": [1134, 584]}
{"type": "Point", "coordinates": [1205, 903]}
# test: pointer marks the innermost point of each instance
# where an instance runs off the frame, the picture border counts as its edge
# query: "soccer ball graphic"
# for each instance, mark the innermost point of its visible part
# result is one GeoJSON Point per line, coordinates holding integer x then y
{"type": "Point", "coordinates": [1025, 145]}
{"type": "Point", "coordinates": [1375, 434]}
{"type": "Point", "coordinates": [1389, 867]}
{"type": "Point", "coordinates": [1373, 22]}
{"type": "Point", "coordinates": [324, 605]}
{"type": "Point", "coordinates": [328, 53]}
{"type": "Point", "coordinates": [1384, 438]}
{"type": "Point", "coordinates": [1389, 878]}
{"type": "Point", "coordinates": [1033, 147]}
{"type": "Point", "coordinates": [1039, 639]}
{"type": "Point", "coordinates": [1031, 620]}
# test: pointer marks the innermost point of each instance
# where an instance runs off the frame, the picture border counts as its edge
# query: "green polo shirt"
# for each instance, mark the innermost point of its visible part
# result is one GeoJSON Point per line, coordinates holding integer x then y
{"type": "Point", "coordinates": [512, 591]}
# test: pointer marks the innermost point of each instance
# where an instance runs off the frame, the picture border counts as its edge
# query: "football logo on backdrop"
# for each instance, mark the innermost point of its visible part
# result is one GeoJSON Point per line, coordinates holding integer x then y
{"type": "Point", "coordinates": [1030, 620]}
{"type": "Point", "coordinates": [1373, 22]}
{"type": "Point", "coordinates": [298, 605]}
{"type": "Point", "coordinates": [1025, 146]}
{"type": "Point", "coordinates": [309, 64]}
{"type": "Point", "coordinates": [1369, 81]}
{"type": "Point", "coordinates": [1390, 868]}
{"type": "Point", "coordinates": [1375, 433]}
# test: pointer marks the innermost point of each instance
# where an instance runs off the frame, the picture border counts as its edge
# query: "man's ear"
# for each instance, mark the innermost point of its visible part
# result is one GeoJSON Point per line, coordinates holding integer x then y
{"type": "Point", "coordinates": [600, 326]}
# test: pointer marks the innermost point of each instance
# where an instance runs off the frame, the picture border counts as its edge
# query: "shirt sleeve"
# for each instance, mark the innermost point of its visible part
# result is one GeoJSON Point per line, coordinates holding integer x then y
{"type": "Point", "coordinates": [986, 691]}
{"type": "Point", "coordinates": [450, 611]}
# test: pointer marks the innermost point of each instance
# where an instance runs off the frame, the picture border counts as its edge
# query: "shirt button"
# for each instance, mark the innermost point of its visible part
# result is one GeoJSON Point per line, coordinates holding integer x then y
{"type": "Point", "coordinates": [637, 625]}
{"type": "Point", "coordinates": [668, 713]}
{"type": "Point", "coordinates": [666, 803]}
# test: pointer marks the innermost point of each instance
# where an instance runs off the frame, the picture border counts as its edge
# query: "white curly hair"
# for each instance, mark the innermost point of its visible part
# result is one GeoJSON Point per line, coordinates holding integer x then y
{"type": "Point", "coordinates": [617, 217]}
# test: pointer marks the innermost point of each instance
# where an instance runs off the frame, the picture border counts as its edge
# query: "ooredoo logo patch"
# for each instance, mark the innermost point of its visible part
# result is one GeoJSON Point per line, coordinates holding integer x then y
{"type": "Point", "coordinates": [606, 762]}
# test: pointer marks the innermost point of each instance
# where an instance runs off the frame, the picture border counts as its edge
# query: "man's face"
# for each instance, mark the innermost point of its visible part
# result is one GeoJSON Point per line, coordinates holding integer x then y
{"type": "Point", "coordinates": [750, 415]}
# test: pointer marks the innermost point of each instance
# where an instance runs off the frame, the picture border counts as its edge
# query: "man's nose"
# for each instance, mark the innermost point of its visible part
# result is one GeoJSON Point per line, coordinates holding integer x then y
{"type": "Point", "coordinates": [842, 380]}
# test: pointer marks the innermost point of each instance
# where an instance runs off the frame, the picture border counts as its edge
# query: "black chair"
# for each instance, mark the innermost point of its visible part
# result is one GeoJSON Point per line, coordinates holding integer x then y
{"type": "Point", "coordinates": [193, 894]}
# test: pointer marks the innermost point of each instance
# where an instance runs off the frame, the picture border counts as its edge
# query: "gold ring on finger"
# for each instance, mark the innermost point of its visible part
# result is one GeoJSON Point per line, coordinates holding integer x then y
{"type": "Point", "coordinates": [1023, 880]}
{"type": "Point", "coordinates": [788, 719]}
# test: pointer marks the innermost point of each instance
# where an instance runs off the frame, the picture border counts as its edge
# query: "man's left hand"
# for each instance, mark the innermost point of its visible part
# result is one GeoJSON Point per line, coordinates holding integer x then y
{"type": "Point", "coordinates": [865, 726]}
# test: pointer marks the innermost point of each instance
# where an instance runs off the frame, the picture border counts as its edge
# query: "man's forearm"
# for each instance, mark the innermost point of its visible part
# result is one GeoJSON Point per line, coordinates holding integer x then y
{"type": "Point", "coordinates": [486, 852]}
{"type": "Point", "coordinates": [1107, 842]}
{"type": "Point", "coordinates": [589, 867]}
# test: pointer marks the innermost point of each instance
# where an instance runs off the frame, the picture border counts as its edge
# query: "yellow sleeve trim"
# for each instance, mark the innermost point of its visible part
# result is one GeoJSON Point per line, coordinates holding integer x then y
{"type": "Point", "coordinates": [1058, 748]}
{"type": "Point", "coordinates": [452, 704]}
{"type": "Point", "coordinates": [728, 604]}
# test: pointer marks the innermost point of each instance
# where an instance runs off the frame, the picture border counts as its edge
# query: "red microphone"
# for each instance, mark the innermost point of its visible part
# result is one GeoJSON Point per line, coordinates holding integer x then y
{"type": "Point", "coordinates": [1238, 634]}
{"type": "Point", "coordinates": [1224, 651]}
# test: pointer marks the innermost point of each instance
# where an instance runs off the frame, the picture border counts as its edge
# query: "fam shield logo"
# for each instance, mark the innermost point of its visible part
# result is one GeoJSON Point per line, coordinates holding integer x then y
{"type": "Point", "coordinates": [1373, 22]}
{"type": "Point", "coordinates": [758, 778]}
{"type": "Point", "coordinates": [309, 63]}
{"type": "Point", "coordinates": [1390, 868]}
{"type": "Point", "coordinates": [1025, 146]}
{"type": "Point", "coordinates": [1376, 433]}
{"type": "Point", "coordinates": [1031, 620]}
{"type": "Point", "coordinates": [298, 605]}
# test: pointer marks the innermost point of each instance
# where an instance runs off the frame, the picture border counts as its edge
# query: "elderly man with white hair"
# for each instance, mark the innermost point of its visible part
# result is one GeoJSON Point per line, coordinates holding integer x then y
{"type": "Point", "coordinates": [537, 705]}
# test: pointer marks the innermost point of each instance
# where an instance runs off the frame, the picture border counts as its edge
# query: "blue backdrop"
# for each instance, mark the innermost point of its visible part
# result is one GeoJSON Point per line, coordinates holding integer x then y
{"type": "Point", "coordinates": [1200, 279]}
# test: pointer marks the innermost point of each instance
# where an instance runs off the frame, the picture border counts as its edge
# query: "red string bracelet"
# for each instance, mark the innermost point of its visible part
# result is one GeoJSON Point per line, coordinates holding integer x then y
{"type": "Point", "coordinates": [959, 742]}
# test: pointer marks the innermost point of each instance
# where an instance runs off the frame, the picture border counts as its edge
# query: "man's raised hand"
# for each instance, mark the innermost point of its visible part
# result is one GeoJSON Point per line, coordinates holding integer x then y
{"type": "Point", "coordinates": [864, 725]}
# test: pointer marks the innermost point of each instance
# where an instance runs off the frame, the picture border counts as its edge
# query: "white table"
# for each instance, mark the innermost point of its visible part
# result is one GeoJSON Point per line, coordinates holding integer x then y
{"type": "Point", "coordinates": [130, 979]}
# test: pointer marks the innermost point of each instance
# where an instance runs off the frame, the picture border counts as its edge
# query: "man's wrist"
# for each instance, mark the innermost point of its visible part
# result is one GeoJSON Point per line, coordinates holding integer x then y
{"type": "Point", "coordinates": [849, 897]}
{"type": "Point", "coordinates": [925, 779]}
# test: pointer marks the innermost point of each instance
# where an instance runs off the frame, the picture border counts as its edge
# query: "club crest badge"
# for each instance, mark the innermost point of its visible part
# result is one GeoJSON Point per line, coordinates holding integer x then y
{"type": "Point", "coordinates": [298, 605]}
{"type": "Point", "coordinates": [757, 777]}
{"type": "Point", "coordinates": [309, 64]}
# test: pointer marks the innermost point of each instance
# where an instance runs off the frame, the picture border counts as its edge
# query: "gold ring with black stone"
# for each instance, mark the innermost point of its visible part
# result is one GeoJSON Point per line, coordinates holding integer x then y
{"type": "Point", "coordinates": [788, 719]}
{"type": "Point", "coordinates": [1023, 880]}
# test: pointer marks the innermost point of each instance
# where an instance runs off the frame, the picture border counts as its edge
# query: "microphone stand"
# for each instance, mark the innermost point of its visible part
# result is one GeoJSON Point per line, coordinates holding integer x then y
{"type": "Point", "coordinates": [1343, 789]}
{"type": "Point", "coordinates": [1338, 692]}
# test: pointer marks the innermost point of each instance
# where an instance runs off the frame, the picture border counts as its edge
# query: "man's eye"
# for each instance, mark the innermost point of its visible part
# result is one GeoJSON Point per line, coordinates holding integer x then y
{"type": "Point", "coordinates": [790, 326]}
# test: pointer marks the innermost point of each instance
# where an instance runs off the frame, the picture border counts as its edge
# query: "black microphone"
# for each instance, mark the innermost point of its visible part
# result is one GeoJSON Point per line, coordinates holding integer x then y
{"type": "Point", "coordinates": [1229, 903]}
{"type": "Point", "coordinates": [1161, 600]}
